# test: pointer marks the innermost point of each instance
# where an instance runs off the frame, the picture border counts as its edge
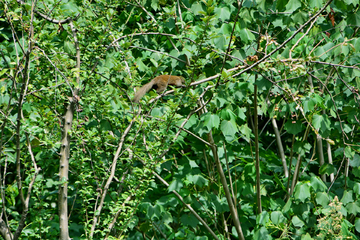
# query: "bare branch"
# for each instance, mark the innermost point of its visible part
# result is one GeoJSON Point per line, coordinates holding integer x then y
{"type": "Point", "coordinates": [52, 19]}
{"type": "Point", "coordinates": [285, 42]}
{"type": "Point", "coordinates": [111, 176]}
{"type": "Point", "coordinates": [65, 148]}
{"type": "Point", "coordinates": [336, 65]}
{"type": "Point", "coordinates": [26, 78]}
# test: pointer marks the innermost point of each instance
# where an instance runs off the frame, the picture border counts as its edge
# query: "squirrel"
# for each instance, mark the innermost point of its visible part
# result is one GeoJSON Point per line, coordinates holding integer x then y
{"type": "Point", "coordinates": [159, 83]}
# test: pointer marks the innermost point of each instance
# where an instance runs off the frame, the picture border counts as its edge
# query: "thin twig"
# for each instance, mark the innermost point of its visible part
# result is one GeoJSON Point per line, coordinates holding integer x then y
{"type": "Point", "coordinates": [285, 42]}
{"type": "Point", "coordinates": [111, 176]}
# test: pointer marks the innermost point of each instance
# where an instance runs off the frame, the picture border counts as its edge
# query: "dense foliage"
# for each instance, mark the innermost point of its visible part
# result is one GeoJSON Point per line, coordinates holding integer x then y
{"type": "Point", "coordinates": [262, 143]}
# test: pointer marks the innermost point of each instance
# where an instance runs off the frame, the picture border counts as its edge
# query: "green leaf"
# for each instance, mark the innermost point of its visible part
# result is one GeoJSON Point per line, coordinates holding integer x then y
{"type": "Point", "coordinates": [300, 18]}
{"type": "Point", "coordinates": [318, 99]}
{"type": "Point", "coordinates": [197, 9]}
{"type": "Point", "coordinates": [189, 220]}
{"type": "Point", "coordinates": [263, 84]}
{"type": "Point", "coordinates": [262, 218]}
{"type": "Point", "coordinates": [277, 217]}
{"type": "Point", "coordinates": [222, 13]}
{"type": "Point", "coordinates": [225, 30]}
{"type": "Point", "coordinates": [197, 180]}
{"type": "Point", "coordinates": [228, 128]}
{"type": "Point", "coordinates": [315, 4]}
{"type": "Point", "coordinates": [240, 112]}
{"type": "Point", "coordinates": [293, 127]}
{"type": "Point", "coordinates": [140, 65]}
{"type": "Point", "coordinates": [75, 227]}
{"type": "Point", "coordinates": [192, 121]}
{"type": "Point", "coordinates": [322, 198]}
{"type": "Point", "coordinates": [246, 131]}
{"type": "Point", "coordinates": [321, 121]}
{"type": "Point", "coordinates": [105, 125]}
{"type": "Point", "coordinates": [145, 227]}
{"type": "Point", "coordinates": [354, 18]}
{"type": "Point", "coordinates": [155, 4]}
{"type": "Point", "coordinates": [292, 5]}
{"type": "Point", "coordinates": [227, 114]}
{"type": "Point", "coordinates": [297, 222]}
{"type": "Point", "coordinates": [166, 218]}
{"type": "Point", "coordinates": [306, 237]}
{"type": "Point", "coordinates": [355, 161]}
{"type": "Point", "coordinates": [27, 107]}
{"type": "Point", "coordinates": [356, 172]}
{"type": "Point", "coordinates": [317, 184]}
{"type": "Point", "coordinates": [347, 197]}
{"type": "Point", "coordinates": [175, 185]}
{"type": "Point", "coordinates": [302, 191]}
{"type": "Point", "coordinates": [348, 152]}
{"type": "Point", "coordinates": [50, 183]}
{"type": "Point", "coordinates": [345, 227]}
{"type": "Point", "coordinates": [211, 121]}
{"type": "Point", "coordinates": [356, 45]}
{"type": "Point", "coordinates": [356, 188]}
{"type": "Point", "coordinates": [287, 206]}
{"type": "Point", "coordinates": [357, 224]}
{"type": "Point", "coordinates": [71, 7]}
{"type": "Point", "coordinates": [246, 36]}
{"type": "Point", "coordinates": [220, 205]}
{"type": "Point", "coordinates": [221, 43]}
{"type": "Point", "coordinates": [158, 112]}
{"type": "Point", "coordinates": [327, 169]}
{"type": "Point", "coordinates": [225, 74]}
{"type": "Point", "coordinates": [353, 208]}
{"type": "Point", "coordinates": [34, 116]}
{"type": "Point", "coordinates": [193, 164]}
{"type": "Point", "coordinates": [153, 211]}
{"type": "Point", "coordinates": [220, 102]}
{"type": "Point", "coordinates": [309, 105]}
{"type": "Point", "coordinates": [278, 22]}
{"type": "Point", "coordinates": [109, 61]}
{"type": "Point", "coordinates": [262, 234]}
{"type": "Point", "coordinates": [69, 48]}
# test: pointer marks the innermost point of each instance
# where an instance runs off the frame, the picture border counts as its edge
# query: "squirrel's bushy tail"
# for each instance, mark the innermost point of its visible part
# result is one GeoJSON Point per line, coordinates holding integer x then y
{"type": "Point", "coordinates": [142, 91]}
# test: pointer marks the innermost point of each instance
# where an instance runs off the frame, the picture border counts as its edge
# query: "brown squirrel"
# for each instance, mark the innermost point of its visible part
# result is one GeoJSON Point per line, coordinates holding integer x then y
{"type": "Point", "coordinates": [159, 83]}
